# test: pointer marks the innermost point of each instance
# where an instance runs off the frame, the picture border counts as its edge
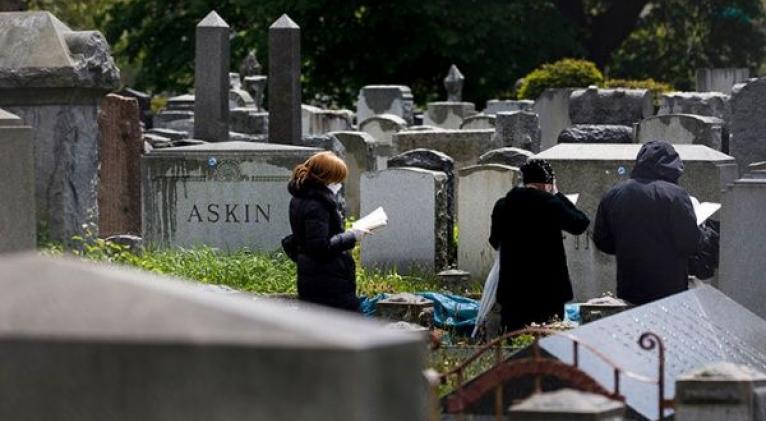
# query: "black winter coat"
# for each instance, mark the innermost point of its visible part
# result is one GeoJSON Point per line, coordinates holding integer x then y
{"type": "Point", "coordinates": [534, 278]}
{"type": "Point", "coordinates": [326, 270]}
{"type": "Point", "coordinates": [648, 222]}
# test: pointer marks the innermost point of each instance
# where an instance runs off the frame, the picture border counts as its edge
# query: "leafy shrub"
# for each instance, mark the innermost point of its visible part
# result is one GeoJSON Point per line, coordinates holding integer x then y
{"type": "Point", "coordinates": [656, 88]}
{"type": "Point", "coordinates": [565, 73]}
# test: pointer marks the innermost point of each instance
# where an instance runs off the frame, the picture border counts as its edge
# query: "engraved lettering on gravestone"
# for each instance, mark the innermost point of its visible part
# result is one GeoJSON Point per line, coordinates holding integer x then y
{"type": "Point", "coordinates": [233, 213]}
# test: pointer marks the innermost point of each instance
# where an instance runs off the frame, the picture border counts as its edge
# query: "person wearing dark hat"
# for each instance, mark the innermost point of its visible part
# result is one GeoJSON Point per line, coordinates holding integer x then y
{"type": "Point", "coordinates": [648, 222]}
{"type": "Point", "coordinates": [527, 227]}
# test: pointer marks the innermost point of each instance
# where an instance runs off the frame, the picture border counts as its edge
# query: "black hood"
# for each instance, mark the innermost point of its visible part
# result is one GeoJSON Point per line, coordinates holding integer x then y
{"type": "Point", "coordinates": [658, 161]}
{"type": "Point", "coordinates": [311, 190]}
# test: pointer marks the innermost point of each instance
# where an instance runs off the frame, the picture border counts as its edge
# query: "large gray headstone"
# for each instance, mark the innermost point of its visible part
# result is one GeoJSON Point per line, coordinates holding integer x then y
{"type": "Point", "coordinates": [416, 238]}
{"type": "Point", "coordinates": [17, 170]}
{"type": "Point", "coordinates": [464, 146]}
{"type": "Point", "coordinates": [597, 133]}
{"type": "Point", "coordinates": [513, 157]}
{"type": "Point", "coordinates": [54, 78]}
{"type": "Point", "coordinates": [227, 195]}
{"type": "Point", "coordinates": [683, 129]}
{"type": "Point", "coordinates": [285, 82]}
{"type": "Point", "coordinates": [698, 327]}
{"type": "Point", "coordinates": [720, 80]}
{"type": "Point", "coordinates": [478, 122]}
{"type": "Point", "coordinates": [382, 127]}
{"type": "Point", "coordinates": [448, 115]}
{"type": "Point", "coordinates": [518, 129]}
{"type": "Point", "coordinates": [385, 99]}
{"type": "Point", "coordinates": [87, 342]}
{"type": "Point", "coordinates": [711, 104]}
{"type": "Point", "coordinates": [479, 187]}
{"type": "Point", "coordinates": [592, 169]}
{"type": "Point", "coordinates": [610, 106]}
{"type": "Point", "coordinates": [211, 79]}
{"type": "Point", "coordinates": [552, 108]}
{"type": "Point", "coordinates": [747, 123]}
{"type": "Point", "coordinates": [316, 121]}
{"type": "Point", "coordinates": [496, 105]}
{"type": "Point", "coordinates": [743, 236]}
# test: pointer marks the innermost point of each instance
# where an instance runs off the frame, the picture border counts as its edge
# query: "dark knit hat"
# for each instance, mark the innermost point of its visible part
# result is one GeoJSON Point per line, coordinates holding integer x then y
{"type": "Point", "coordinates": [537, 171]}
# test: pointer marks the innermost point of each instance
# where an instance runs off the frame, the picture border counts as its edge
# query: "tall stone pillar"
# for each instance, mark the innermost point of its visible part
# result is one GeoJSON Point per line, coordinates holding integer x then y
{"type": "Point", "coordinates": [211, 79]}
{"type": "Point", "coordinates": [285, 82]}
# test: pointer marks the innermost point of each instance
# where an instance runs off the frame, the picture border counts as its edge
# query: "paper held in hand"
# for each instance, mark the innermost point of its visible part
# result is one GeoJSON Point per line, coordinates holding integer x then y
{"type": "Point", "coordinates": [704, 210]}
{"type": "Point", "coordinates": [573, 197]}
{"type": "Point", "coordinates": [372, 221]}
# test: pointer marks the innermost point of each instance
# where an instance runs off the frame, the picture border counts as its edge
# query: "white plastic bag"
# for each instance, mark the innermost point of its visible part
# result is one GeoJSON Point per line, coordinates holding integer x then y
{"type": "Point", "coordinates": [488, 295]}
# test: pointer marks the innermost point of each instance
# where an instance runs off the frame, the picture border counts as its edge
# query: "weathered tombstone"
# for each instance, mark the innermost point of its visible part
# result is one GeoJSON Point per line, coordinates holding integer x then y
{"type": "Point", "coordinates": [479, 187]}
{"type": "Point", "coordinates": [720, 80]}
{"type": "Point", "coordinates": [359, 155]}
{"type": "Point", "coordinates": [17, 170]}
{"type": "Point", "coordinates": [743, 231]}
{"type": "Point", "coordinates": [684, 129]}
{"type": "Point", "coordinates": [453, 83]}
{"type": "Point", "coordinates": [464, 146]}
{"type": "Point", "coordinates": [385, 99]}
{"type": "Point", "coordinates": [552, 108]}
{"type": "Point", "coordinates": [496, 105]}
{"type": "Point", "coordinates": [596, 133]}
{"type": "Point", "coordinates": [519, 129]}
{"type": "Point", "coordinates": [747, 124]}
{"type": "Point", "coordinates": [448, 115]}
{"type": "Point", "coordinates": [697, 327]}
{"type": "Point", "coordinates": [382, 127]}
{"type": "Point", "coordinates": [239, 98]}
{"type": "Point", "coordinates": [227, 195]}
{"type": "Point", "coordinates": [568, 405]}
{"type": "Point", "coordinates": [285, 82]}
{"type": "Point", "coordinates": [211, 79]}
{"type": "Point", "coordinates": [117, 344]}
{"type": "Point", "coordinates": [144, 105]}
{"type": "Point", "coordinates": [610, 106]}
{"type": "Point", "coordinates": [592, 169]}
{"type": "Point", "coordinates": [416, 238]}
{"type": "Point", "coordinates": [478, 122]}
{"type": "Point", "coordinates": [513, 157]}
{"type": "Point", "coordinates": [720, 391]}
{"type": "Point", "coordinates": [252, 80]}
{"type": "Point", "coordinates": [54, 78]}
{"type": "Point", "coordinates": [711, 104]}
{"type": "Point", "coordinates": [120, 146]}
{"type": "Point", "coordinates": [316, 121]}
{"type": "Point", "coordinates": [249, 121]}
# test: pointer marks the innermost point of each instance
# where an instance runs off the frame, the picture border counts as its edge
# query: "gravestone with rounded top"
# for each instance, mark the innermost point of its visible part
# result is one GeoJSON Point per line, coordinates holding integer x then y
{"type": "Point", "coordinates": [382, 127]}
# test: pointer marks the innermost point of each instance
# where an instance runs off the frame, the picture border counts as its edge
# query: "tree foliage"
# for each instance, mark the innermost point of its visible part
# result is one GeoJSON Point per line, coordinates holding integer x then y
{"type": "Point", "coordinates": [561, 74]}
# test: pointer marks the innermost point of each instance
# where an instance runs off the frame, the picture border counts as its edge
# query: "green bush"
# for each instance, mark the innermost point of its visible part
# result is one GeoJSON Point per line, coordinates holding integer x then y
{"type": "Point", "coordinates": [656, 88]}
{"type": "Point", "coordinates": [566, 73]}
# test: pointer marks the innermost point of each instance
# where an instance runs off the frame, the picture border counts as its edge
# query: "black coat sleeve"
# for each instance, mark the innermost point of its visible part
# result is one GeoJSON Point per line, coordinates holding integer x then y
{"type": "Point", "coordinates": [571, 219]}
{"type": "Point", "coordinates": [318, 241]}
{"type": "Point", "coordinates": [496, 231]}
{"type": "Point", "coordinates": [684, 229]}
{"type": "Point", "coordinates": [602, 233]}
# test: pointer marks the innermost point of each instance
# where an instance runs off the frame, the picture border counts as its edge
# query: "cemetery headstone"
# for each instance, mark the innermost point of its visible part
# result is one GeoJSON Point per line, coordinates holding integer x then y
{"type": "Point", "coordinates": [448, 115]}
{"type": "Point", "coordinates": [684, 129]}
{"type": "Point", "coordinates": [720, 80]}
{"type": "Point", "coordinates": [478, 122]}
{"type": "Point", "coordinates": [592, 169]}
{"type": "Point", "coordinates": [416, 238]}
{"type": "Point", "coordinates": [17, 169]}
{"type": "Point", "coordinates": [479, 187]}
{"type": "Point", "coordinates": [249, 121]}
{"type": "Point", "coordinates": [54, 78]}
{"type": "Point", "coordinates": [742, 265]}
{"type": "Point", "coordinates": [513, 157]}
{"type": "Point", "coordinates": [211, 79]}
{"type": "Point", "coordinates": [359, 155]}
{"type": "Point", "coordinates": [720, 391]}
{"type": "Point", "coordinates": [316, 121]}
{"type": "Point", "coordinates": [120, 147]}
{"type": "Point", "coordinates": [453, 83]}
{"type": "Point", "coordinates": [90, 342]}
{"type": "Point", "coordinates": [610, 106]}
{"type": "Point", "coordinates": [747, 124]}
{"type": "Point", "coordinates": [464, 146]}
{"type": "Point", "coordinates": [227, 195]}
{"type": "Point", "coordinates": [252, 80]}
{"type": "Point", "coordinates": [496, 105]}
{"type": "Point", "coordinates": [285, 82]}
{"type": "Point", "coordinates": [568, 405]}
{"type": "Point", "coordinates": [144, 105]}
{"type": "Point", "coordinates": [596, 133]}
{"type": "Point", "coordinates": [711, 104]}
{"type": "Point", "coordinates": [382, 127]}
{"type": "Point", "coordinates": [519, 129]}
{"type": "Point", "coordinates": [552, 108]}
{"type": "Point", "coordinates": [385, 99]}
{"type": "Point", "coordinates": [698, 327]}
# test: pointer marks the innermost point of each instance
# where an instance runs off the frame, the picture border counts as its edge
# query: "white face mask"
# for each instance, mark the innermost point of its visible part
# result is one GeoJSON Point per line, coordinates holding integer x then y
{"type": "Point", "coordinates": [335, 187]}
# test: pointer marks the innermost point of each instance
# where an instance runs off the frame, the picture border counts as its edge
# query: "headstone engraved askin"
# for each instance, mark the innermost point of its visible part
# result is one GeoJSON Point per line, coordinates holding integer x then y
{"type": "Point", "coordinates": [697, 327]}
{"type": "Point", "coordinates": [227, 195]}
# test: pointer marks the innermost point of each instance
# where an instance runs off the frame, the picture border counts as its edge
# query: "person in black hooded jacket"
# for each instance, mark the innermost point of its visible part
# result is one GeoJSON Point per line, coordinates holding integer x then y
{"type": "Point", "coordinates": [534, 279]}
{"type": "Point", "coordinates": [319, 245]}
{"type": "Point", "coordinates": [648, 222]}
